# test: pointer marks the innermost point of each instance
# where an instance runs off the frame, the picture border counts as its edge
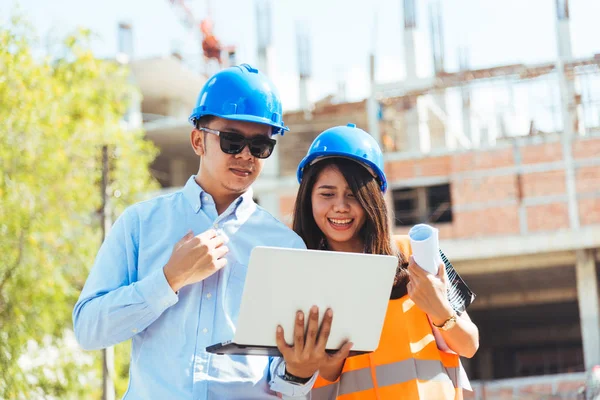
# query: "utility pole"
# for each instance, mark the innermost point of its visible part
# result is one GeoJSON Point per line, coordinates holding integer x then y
{"type": "Point", "coordinates": [108, 354]}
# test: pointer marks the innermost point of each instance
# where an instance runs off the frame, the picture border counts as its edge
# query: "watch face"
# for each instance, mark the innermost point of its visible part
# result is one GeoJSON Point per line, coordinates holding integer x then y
{"type": "Point", "coordinates": [449, 324]}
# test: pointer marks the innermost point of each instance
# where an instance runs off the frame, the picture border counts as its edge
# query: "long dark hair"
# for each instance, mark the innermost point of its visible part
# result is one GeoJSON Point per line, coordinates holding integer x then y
{"type": "Point", "coordinates": [375, 232]}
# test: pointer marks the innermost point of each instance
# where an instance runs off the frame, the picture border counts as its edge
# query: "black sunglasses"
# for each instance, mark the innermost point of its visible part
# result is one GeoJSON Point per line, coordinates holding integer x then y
{"type": "Point", "coordinates": [234, 143]}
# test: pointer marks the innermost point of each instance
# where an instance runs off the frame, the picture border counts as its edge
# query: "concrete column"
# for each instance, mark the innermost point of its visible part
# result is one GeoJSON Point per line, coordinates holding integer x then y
{"type": "Point", "coordinates": [177, 172]}
{"type": "Point", "coordinates": [423, 120]}
{"type": "Point", "coordinates": [466, 113]}
{"type": "Point", "coordinates": [410, 54]}
{"type": "Point", "coordinates": [568, 106]}
{"type": "Point", "coordinates": [411, 121]}
{"type": "Point", "coordinates": [372, 105]}
{"type": "Point", "coordinates": [303, 93]}
{"type": "Point", "coordinates": [410, 39]}
{"type": "Point", "coordinates": [589, 310]}
{"type": "Point", "coordinates": [437, 130]}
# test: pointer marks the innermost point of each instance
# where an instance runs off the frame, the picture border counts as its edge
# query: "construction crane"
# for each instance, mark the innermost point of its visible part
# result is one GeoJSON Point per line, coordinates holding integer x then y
{"type": "Point", "coordinates": [212, 49]}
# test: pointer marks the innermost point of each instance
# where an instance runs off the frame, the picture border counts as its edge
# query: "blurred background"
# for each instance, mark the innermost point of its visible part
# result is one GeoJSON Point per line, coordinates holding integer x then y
{"type": "Point", "coordinates": [488, 111]}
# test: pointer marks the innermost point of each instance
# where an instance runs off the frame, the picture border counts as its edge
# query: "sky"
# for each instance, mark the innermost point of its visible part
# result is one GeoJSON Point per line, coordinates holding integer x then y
{"type": "Point", "coordinates": [343, 33]}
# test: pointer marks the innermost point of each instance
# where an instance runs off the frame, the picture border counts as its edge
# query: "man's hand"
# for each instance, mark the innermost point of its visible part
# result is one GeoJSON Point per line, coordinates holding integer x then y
{"type": "Point", "coordinates": [308, 355]}
{"type": "Point", "coordinates": [429, 292]}
{"type": "Point", "coordinates": [195, 258]}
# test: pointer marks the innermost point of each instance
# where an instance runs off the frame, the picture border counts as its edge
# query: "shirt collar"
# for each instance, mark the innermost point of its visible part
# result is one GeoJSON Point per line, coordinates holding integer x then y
{"type": "Point", "coordinates": [194, 193]}
{"type": "Point", "coordinates": [245, 203]}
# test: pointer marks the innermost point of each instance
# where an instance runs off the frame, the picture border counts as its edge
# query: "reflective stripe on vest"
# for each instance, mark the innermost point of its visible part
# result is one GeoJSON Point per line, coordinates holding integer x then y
{"type": "Point", "coordinates": [389, 374]}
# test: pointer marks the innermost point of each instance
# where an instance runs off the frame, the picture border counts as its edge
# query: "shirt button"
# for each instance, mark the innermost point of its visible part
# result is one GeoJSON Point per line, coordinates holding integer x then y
{"type": "Point", "coordinates": [205, 331]}
{"type": "Point", "coordinates": [208, 295]}
{"type": "Point", "coordinates": [200, 367]}
{"type": "Point", "coordinates": [134, 330]}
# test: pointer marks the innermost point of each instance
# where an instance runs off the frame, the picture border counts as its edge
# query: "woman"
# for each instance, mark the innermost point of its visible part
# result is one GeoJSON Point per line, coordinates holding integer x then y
{"type": "Point", "coordinates": [340, 207]}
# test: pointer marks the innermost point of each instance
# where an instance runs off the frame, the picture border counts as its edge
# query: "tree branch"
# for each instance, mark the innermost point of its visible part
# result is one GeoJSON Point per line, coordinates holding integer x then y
{"type": "Point", "coordinates": [8, 274]}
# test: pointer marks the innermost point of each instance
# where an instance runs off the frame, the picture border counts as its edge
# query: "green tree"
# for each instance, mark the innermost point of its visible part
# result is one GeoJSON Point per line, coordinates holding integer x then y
{"type": "Point", "coordinates": [56, 112]}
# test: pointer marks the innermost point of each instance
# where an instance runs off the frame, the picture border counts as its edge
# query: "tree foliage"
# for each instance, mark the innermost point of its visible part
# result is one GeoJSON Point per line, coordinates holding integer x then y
{"type": "Point", "coordinates": [56, 112]}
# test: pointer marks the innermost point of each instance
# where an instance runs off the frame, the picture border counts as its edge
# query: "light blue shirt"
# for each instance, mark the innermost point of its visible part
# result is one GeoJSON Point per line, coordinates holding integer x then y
{"type": "Point", "coordinates": [127, 296]}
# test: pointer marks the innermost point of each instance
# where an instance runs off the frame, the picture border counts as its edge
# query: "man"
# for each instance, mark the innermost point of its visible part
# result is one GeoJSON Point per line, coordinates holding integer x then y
{"type": "Point", "coordinates": [170, 274]}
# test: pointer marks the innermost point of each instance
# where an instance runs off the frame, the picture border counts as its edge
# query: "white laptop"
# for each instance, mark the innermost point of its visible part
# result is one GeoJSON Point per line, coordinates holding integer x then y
{"type": "Point", "coordinates": [282, 281]}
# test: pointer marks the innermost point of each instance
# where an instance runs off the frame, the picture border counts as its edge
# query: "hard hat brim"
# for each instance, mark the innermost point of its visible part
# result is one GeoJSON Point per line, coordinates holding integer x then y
{"type": "Point", "coordinates": [316, 157]}
{"type": "Point", "coordinates": [243, 118]}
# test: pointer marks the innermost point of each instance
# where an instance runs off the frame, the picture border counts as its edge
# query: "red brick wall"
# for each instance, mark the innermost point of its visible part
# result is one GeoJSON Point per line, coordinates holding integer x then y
{"type": "Point", "coordinates": [541, 153]}
{"type": "Point", "coordinates": [415, 168]}
{"type": "Point", "coordinates": [547, 217]}
{"type": "Point", "coordinates": [436, 166]}
{"type": "Point", "coordinates": [488, 203]}
{"type": "Point", "coordinates": [586, 148]}
{"type": "Point", "coordinates": [588, 179]}
{"type": "Point", "coordinates": [543, 183]}
{"type": "Point", "coordinates": [487, 192]}
{"type": "Point", "coordinates": [488, 221]}
{"type": "Point", "coordinates": [589, 211]}
{"type": "Point", "coordinates": [398, 170]}
{"type": "Point", "coordinates": [484, 190]}
{"type": "Point", "coordinates": [482, 160]}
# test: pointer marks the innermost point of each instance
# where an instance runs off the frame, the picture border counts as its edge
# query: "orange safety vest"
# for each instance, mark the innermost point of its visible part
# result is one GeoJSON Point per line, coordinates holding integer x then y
{"type": "Point", "coordinates": [406, 365]}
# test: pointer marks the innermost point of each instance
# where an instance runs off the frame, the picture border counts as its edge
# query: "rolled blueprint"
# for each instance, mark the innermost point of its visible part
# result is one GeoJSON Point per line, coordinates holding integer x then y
{"type": "Point", "coordinates": [425, 247]}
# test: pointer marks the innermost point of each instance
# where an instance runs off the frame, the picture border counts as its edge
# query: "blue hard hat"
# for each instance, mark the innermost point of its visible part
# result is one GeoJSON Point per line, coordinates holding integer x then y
{"type": "Point", "coordinates": [346, 142]}
{"type": "Point", "coordinates": [241, 93]}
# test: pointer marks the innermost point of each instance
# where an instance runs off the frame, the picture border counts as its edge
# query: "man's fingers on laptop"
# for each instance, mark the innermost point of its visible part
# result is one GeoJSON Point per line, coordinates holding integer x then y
{"type": "Point", "coordinates": [299, 333]}
{"type": "Point", "coordinates": [298, 360]}
{"type": "Point", "coordinates": [282, 346]}
{"type": "Point", "coordinates": [325, 329]}
{"type": "Point", "coordinates": [343, 352]}
{"type": "Point", "coordinates": [312, 330]}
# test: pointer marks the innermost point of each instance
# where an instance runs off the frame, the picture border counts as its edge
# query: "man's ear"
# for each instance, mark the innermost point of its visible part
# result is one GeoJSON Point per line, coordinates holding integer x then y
{"type": "Point", "coordinates": [197, 138]}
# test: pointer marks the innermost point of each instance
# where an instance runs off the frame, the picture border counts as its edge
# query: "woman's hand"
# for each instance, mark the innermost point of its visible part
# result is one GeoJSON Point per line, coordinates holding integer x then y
{"type": "Point", "coordinates": [307, 355]}
{"type": "Point", "coordinates": [429, 292]}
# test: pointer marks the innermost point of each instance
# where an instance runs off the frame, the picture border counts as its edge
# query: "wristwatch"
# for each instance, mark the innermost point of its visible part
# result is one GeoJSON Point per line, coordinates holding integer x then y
{"type": "Point", "coordinates": [294, 379]}
{"type": "Point", "coordinates": [448, 324]}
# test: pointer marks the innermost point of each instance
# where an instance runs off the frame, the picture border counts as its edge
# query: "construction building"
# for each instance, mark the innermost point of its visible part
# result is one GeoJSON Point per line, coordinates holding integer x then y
{"type": "Point", "coordinates": [514, 193]}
